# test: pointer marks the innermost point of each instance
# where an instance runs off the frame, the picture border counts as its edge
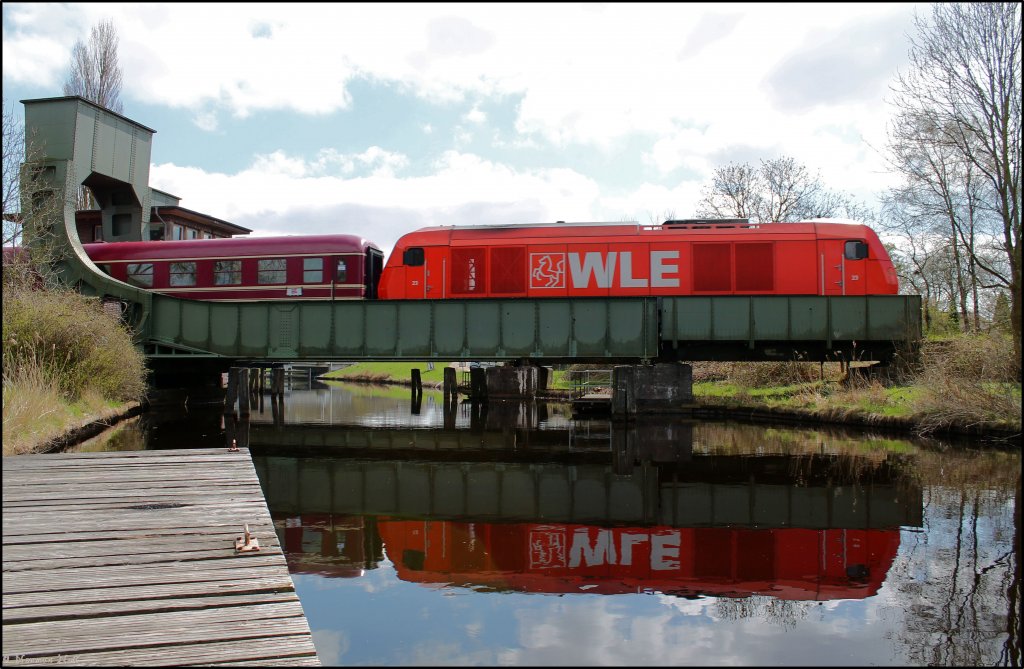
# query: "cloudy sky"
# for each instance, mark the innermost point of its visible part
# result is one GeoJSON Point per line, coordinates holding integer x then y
{"type": "Point", "coordinates": [377, 119]}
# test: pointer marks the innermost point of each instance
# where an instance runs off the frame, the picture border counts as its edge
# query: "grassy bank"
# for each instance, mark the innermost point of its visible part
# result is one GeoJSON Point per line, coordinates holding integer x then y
{"type": "Point", "coordinates": [66, 361]}
{"type": "Point", "coordinates": [961, 383]}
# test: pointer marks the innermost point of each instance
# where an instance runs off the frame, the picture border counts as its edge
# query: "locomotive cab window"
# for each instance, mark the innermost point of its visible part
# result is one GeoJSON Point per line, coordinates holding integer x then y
{"type": "Point", "coordinates": [413, 257]}
{"type": "Point", "coordinates": [856, 250]}
{"type": "Point", "coordinates": [312, 270]}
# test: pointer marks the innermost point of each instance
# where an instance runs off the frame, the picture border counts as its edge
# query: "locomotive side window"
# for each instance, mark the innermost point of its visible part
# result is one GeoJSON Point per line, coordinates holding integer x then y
{"type": "Point", "coordinates": [712, 267]}
{"type": "Point", "coordinates": [856, 250]}
{"type": "Point", "coordinates": [413, 257]}
{"type": "Point", "coordinates": [271, 271]}
{"type": "Point", "coordinates": [341, 273]}
{"type": "Point", "coordinates": [183, 274]}
{"type": "Point", "coordinates": [227, 272]}
{"type": "Point", "coordinates": [141, 274]}
{"type": "Point", "coordinates": [312, 270]}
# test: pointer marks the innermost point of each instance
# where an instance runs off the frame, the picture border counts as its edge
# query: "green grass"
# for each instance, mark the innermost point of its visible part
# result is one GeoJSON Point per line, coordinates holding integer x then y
{"type": "Point", "coordinates": [397, 372]}
{"type": "Point", "coordinates": [401, 372]}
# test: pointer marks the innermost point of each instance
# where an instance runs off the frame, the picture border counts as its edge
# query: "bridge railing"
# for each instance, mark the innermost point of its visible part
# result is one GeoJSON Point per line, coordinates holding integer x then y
{"type": "Point", "coordinates": [587, 381]}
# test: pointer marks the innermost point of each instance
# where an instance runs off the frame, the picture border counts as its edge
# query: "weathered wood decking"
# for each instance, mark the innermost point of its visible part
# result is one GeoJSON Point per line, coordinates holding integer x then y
{"type": "Point", "coordinates": [128, 558]}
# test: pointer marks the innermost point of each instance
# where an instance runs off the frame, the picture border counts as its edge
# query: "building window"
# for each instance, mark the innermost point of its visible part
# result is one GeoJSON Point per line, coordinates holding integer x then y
{"type": "Point", "coordinates": [183, 274]}
{"type": "Point", "coordinates": [312, 270]}
{"type": "Point", "coordinates": [193, 234]}
{"type": "Point", "coordinates": [227, 272]}
{"type": "Point", "coordinates": [141, 274]}
{"type": "Point", "coordinates": [179, 232]}
{"type": "Point", "coordinates": [271, 271]}
{"type": "Point", "coordinates": [207, 235]}
{"type": "Point", "coordinates": [97, 233]}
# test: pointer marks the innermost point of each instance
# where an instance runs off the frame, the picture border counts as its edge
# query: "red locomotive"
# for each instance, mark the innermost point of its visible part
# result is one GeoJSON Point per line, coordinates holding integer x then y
{"type": "Point", "coordinates": [675, 258]}
{"type": "Point", "coordinates": [314, 267]}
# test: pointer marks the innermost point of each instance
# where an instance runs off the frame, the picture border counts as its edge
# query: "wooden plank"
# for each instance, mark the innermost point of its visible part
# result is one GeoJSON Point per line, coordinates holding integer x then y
{"type": "Point", "coordinates": [36, 535]}
{"type": "Point", "coordinates": [274, 582]}
{"type": "Point", "coordinates": [74, 609]}
{"type": "Point", "coordinates": [68, 637]}
{"type": "Point", "coordinates": [274, 651]}
{"type": "Point", "coordinates": [157, 545]}
{"type": "Point", "coordinates": [128, 558]}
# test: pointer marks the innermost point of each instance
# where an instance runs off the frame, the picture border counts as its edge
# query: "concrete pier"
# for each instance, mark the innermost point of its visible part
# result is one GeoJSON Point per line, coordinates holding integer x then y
{"type": "Point", "coordinates": [650, 389]}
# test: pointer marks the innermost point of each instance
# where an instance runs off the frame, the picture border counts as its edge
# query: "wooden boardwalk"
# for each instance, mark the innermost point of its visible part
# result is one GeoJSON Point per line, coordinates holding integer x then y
{"type": "Point", "coordinates": [128, 558]}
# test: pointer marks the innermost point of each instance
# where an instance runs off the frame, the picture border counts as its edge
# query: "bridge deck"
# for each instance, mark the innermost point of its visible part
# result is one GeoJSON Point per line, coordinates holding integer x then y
{"type": "Point", "coordinates": [129, 558]}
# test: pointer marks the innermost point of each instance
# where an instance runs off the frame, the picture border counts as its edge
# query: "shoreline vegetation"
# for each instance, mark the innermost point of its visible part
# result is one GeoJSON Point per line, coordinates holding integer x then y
{"type": "Point", "coordinates": [964, 386]}
{"type": "Point", "coordinates": [69, 367]}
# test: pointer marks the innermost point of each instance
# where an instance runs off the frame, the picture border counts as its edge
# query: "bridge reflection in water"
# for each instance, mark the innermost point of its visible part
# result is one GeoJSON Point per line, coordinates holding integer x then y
{"type": "Point", "coordinates": [635, 509]}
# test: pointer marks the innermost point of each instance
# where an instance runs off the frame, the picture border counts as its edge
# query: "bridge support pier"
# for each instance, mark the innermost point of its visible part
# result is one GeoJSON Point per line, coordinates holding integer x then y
{"type": "Point", "coordinates": [520, 382]}
{"type": "Point", "coordinates": [650, 389]}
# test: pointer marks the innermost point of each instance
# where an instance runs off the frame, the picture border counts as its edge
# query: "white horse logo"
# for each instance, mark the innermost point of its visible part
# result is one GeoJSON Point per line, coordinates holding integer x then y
{"type": "Point", "coordinates": [547, 270]}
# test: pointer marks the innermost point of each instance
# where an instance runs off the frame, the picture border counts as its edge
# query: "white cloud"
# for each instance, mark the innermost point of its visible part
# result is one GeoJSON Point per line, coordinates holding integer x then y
{"type": "Point", "coordinates": [585, 75]}
{"type": "Point", "coordinates": [475, 115]}
{"type": "Point", "coordinates": [282, 194]}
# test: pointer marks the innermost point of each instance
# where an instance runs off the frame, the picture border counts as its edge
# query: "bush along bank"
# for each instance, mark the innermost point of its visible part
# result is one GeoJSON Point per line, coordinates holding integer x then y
{"type": "Point", "coordinates": [66, 363]}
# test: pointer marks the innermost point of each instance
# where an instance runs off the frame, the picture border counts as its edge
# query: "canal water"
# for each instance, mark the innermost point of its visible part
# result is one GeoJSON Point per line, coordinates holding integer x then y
{"type": "Point", "coordinates": [516, 534]}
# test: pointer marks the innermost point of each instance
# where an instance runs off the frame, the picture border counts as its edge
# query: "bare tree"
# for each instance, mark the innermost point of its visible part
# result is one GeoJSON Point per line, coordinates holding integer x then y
{"type": "Point", "coordinates": [14, 152]}
{"type": "Point", "coordinates": [734, 193]}
{"type": "Point", "coordinates": [95, 73]}
{"type": "Point", "coordinates": [964, 89]}
{"type": "Point", "coordinates": [779, 190]}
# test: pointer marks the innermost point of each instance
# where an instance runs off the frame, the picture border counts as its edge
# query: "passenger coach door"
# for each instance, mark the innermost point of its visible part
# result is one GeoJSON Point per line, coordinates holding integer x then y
{"type": "Point", "coordinates": [842, 267]}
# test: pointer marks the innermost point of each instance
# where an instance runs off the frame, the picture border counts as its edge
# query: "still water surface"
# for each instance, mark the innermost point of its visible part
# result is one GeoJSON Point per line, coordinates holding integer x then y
{"type": "Point", "coordinates": [517, 535]}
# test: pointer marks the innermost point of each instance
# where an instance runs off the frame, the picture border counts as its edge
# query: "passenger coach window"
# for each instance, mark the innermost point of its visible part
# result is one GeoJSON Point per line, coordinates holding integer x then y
{"type": "Point", "coordinates": [312, 270]}
{"type": "Point", "coordinates": [271, 271]}
{"type": "Point", "coordinates": [856, 250]}
{"type": "Point", "coordinates": [413, 257]}
{"type": "Point", "coordinates": [183, 274]}
{"type": "Point", "coordinates": [227, 272]}
{"type": "Point", "coordinates": [141, 274]}
{"type": "Point", "coordinates": [341, 276]}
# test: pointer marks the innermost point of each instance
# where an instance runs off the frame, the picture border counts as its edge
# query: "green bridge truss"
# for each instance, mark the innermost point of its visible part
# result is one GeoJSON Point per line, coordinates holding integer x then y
{"type": "Point", "coordinates": [84, 144]}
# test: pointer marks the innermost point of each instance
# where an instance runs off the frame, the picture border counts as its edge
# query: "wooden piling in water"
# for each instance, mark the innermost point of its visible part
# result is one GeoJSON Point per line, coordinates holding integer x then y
{"type": "Point", "coordinates": [243, 391]}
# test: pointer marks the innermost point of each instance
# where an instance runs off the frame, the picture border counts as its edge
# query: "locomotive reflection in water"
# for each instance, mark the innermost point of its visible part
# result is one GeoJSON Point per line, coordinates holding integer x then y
{"type": "Point", "coordinates": [636, 510]}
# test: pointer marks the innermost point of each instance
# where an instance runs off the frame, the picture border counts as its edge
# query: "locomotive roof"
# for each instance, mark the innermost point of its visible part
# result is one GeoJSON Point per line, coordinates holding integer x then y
{"type": "Point", "coordinates": [820, 228]}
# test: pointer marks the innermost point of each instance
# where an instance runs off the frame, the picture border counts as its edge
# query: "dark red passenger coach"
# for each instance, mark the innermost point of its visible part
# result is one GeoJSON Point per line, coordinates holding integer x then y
{"type": "Point", "coordinates": [308, 267]}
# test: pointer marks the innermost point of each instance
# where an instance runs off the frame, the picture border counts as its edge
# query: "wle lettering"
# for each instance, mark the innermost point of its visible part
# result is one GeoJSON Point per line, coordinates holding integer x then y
{"type": "Point", "coordinates": [597, 269]}
{"type": "Point", "coordinates": [605, 547]}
